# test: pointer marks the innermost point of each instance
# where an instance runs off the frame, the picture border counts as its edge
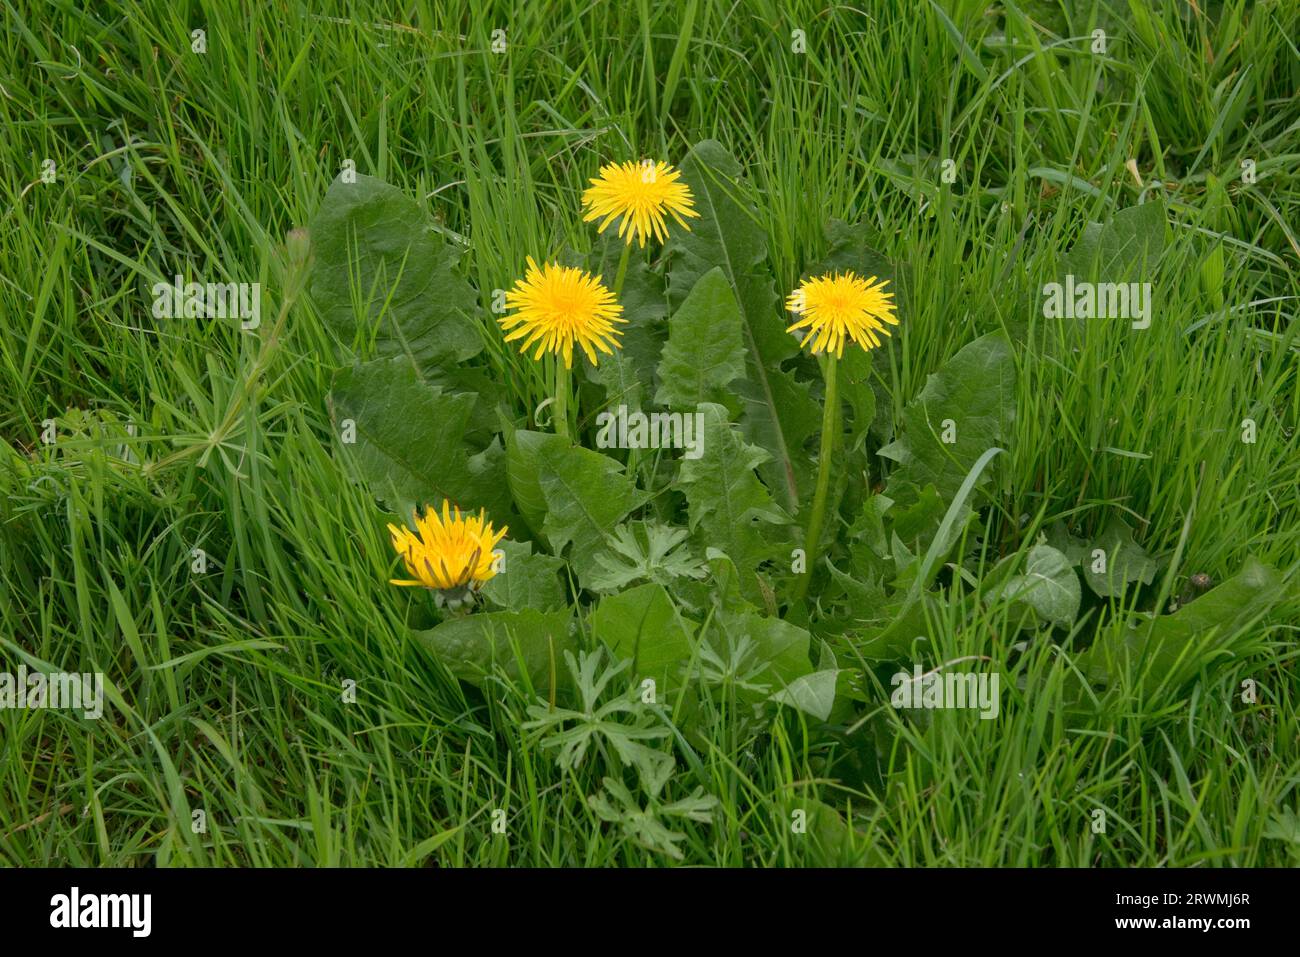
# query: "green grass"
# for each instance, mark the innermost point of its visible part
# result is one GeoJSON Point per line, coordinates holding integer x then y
{"type": "Point", "coordinates": [225, 687]}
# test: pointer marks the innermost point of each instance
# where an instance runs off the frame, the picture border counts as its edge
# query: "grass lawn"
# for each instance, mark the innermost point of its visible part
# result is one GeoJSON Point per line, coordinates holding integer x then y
{"type": "Point", "coordinates": [1089, 513]}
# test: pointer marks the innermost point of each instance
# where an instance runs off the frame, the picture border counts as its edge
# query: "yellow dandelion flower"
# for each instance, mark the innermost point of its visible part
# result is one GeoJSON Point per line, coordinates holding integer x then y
{"type": "Point", "coordinates": [837, 307]}
{"type": "Point", "coordinates": [640, 193]}
{"type": "Point", "coordinates": [558, 306]}
{"type": "Point", "coordinates": [451, 553]}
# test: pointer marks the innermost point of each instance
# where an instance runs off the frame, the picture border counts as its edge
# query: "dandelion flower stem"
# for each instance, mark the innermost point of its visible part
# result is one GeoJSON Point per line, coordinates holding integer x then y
{"type": "Point", "coordinates": [830, 431]}
{"type": "Point", "coordinates": [561, 397]}
{"type": "Point", "coordinates": [632, 455]}
{"type": "Point", "coordinates": [622, 269]}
